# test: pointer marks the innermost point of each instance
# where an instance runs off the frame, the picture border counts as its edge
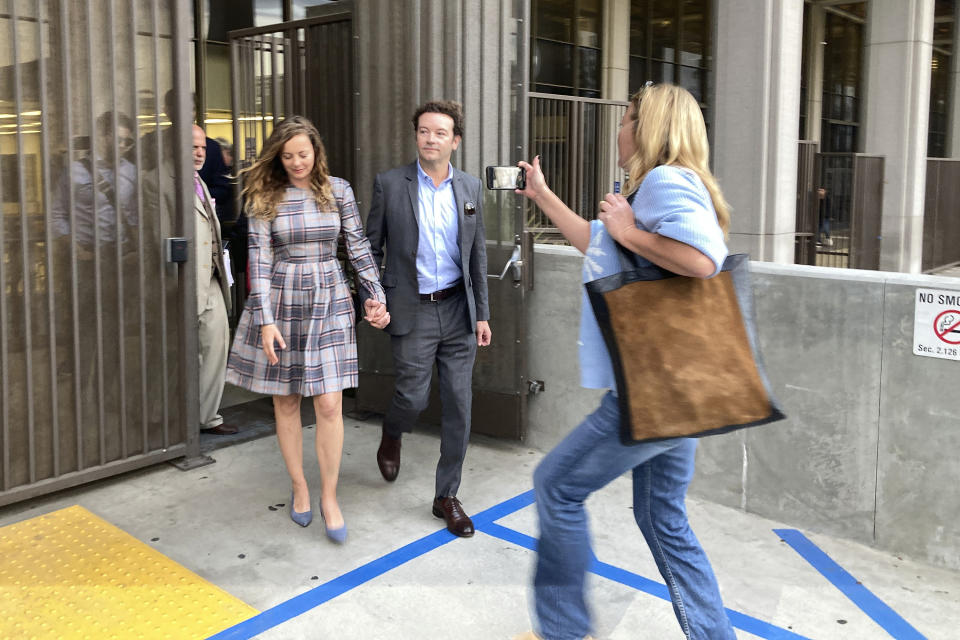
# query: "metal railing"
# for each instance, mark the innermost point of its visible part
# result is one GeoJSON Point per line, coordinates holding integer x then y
{"type": "Point", "coordinates": [941, 223]}
{"type": "Point", "coordinates": [576, 139]}
{"type": "Point", "coordinates": [840, 226]}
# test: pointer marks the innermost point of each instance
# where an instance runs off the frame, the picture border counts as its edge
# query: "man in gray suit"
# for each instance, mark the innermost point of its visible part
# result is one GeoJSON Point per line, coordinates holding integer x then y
{"type": "Point", "coordinates": [429, 217]}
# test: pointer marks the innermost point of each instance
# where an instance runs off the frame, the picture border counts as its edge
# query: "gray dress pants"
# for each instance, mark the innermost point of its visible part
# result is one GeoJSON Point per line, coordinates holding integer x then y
{"type": "Point", "coordinates": [441, 336]}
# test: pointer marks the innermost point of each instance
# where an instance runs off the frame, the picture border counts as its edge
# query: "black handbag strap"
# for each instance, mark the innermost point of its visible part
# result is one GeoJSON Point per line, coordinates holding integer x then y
{"type": "Point", "coordinates": [630, 261]}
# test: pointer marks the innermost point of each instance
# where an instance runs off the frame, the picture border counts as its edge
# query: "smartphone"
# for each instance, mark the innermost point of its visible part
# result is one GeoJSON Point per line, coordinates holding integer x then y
{"type": "Point", "coordinates": [506, 178]}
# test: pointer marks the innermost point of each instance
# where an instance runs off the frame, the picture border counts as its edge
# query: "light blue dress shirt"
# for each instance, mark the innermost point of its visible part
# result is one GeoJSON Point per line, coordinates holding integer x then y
{"type": "Point", "coordinates": [94, 206]}
{"type": "Point", "coordinates": [671, 201]}
{"type": "Point", "coordinates": [438, 254]}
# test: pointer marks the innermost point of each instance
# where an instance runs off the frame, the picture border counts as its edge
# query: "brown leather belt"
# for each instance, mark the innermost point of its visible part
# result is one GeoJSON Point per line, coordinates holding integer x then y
{"type": "Point", "coordinates": [437, 296]}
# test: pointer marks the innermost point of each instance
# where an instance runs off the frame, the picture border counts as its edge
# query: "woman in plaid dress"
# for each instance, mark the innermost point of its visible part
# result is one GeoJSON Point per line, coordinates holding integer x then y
{"type": "Point", "coordinates": [296, 336]}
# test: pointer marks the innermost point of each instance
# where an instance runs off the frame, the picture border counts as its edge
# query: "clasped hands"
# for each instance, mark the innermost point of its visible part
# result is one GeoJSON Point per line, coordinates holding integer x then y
{"type": "Point", "coordinates": [376, 313]}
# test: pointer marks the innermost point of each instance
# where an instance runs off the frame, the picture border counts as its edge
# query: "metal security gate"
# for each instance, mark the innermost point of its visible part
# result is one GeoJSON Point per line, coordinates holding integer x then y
{"type": "Point", "coordinates": [941, 222]}
{"type": "Point", "coordinates": [92, 328]}
{"type": "Point", "coordinates": [304, 67]}
{"type": "Point", "coordinates": [805, 251]}
{"type": "Point", "coordinates": [575, 139]}
{"type": "Point", "coordinates": [841, 226]}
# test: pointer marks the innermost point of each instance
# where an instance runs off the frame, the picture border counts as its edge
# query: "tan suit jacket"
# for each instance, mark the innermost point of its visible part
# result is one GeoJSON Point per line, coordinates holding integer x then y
{"type": "Point", "coordinates": [209, 248]}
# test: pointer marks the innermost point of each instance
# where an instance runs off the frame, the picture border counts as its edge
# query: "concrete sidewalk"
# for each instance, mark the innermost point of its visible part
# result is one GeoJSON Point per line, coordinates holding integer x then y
{"type": "Point", "coordinates": [402, 576]}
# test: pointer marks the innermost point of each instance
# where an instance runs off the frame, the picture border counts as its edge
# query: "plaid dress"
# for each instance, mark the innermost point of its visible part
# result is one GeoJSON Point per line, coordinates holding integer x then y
{"type": "Point", "coordinates": [297, 283]}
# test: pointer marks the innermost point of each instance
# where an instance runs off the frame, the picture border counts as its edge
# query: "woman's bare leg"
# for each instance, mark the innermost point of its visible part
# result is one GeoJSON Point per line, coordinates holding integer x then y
{"type": "Point", "coordinates": [286, 410]}
{"type": "Point", "coordinates": [329, 411]}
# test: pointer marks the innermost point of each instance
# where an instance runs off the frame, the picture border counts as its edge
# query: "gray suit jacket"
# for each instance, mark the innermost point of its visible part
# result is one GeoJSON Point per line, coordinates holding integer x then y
{"type": "Point", "coordinates": [392, 224]}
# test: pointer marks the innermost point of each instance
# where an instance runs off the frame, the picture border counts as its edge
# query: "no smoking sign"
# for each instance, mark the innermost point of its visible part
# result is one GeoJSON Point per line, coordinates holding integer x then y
{"type": "Point", "coordinates": [936, 325]}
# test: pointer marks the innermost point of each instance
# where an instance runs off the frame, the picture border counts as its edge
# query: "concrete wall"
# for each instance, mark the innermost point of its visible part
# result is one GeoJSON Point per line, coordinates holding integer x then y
{"type": "Point", "coordinates": [869, 451]}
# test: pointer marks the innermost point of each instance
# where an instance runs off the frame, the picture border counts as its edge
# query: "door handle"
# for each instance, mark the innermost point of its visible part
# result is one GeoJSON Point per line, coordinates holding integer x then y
{"type": "Point", "coordinates": [514, 263]}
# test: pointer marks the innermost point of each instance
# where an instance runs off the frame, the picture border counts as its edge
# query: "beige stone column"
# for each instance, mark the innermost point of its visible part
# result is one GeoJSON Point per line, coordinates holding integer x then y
{"type": "Point", "coordinates": [897, 102]}
{"type": "Point", "coordinates": [615, 63]}
{"type": "Point", "coordinates": [814, 80]}
{"type": "Point", "coordinates": [757, 106]}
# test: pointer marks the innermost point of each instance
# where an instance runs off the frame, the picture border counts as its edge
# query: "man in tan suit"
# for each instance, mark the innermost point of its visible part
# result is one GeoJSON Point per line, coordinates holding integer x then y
{"type": "Point", "coordinates": [213, 298]}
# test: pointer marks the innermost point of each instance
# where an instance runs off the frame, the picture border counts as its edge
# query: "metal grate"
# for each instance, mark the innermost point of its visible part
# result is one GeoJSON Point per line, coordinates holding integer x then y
{"type": "Point", "coordinates": [89, 309]}
{"type": "Point", "coordinates": [576, 139]}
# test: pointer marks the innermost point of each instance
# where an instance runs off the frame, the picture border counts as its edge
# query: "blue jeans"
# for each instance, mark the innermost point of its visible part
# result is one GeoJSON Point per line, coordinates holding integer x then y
{"type": "Point", "coordinates": [589, 458]}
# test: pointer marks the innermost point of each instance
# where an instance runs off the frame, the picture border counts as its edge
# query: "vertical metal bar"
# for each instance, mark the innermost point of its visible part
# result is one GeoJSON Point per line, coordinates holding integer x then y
{"type": "Point", "coordinates": [274, 78]}
{"type": "Point", "coordinates": [563, 152]}
{"type": "Point", "coordinates": [158, 160]}
{"type": "Point", "coordinates": [74, 294]}
{"type": "Point", "coordinates": [290, 49]}
{"type": "Point", "coordinates": [263, 87]}
{"type": "Point", "coordinates": [98, 288]}
{"type": "Point", "coordinates": [546, 130]}
{"type": "Point", "coordinates": [239, 151]}
{"type": "Point", "coordinates": [4, 368]}
{"type": "Point", "coordinates": [250, 125]}
{"type": "Point", "coordinates": [200, 55]}
{"type": "Point", "coordinates": [48, 237]}
{"type": "Point", "coordinates": [141, 278]}
{"type": "Point", "coordinates": [118, 240]}
{"type": "Point", "coordinates": [576, 157]}
{"type": "Point", "coordinates": [856, 214]}
{"type": "Point", "coordinates": [301, 78]}
{"type": "Point", "coordinates": [187, 277]}
{"type": "Point", "coordinates": [24, 249]}
{"type": "Point", "coordinates": [243, 96]}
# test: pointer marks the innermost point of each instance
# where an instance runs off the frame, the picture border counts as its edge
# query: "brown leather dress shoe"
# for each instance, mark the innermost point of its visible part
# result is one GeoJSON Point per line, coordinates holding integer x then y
{"type": "Point", "coordinates": [223, 429]}
{"type": "Point", "coordinates": [450, 509]}
{"type": "Point", "coordinates": [388, 457]}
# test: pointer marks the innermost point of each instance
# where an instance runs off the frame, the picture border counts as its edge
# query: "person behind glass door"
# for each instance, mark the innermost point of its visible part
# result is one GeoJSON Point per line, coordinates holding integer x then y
{"type": "Point", "coordinates": [296, 336]}
{"type": "Point", "coordinates": [676, 218]}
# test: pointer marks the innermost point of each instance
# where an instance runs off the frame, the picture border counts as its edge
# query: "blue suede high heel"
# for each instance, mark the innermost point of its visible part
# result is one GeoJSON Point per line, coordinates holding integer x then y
{"type": "Point", "coordinates": [339, 535]}
{"type": "Point", "coordinates": [303, 519]}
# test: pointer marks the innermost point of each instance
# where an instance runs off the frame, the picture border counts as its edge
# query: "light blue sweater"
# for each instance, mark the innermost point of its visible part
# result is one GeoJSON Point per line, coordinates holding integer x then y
{"type": "Point", "coordinates": [671, 201]}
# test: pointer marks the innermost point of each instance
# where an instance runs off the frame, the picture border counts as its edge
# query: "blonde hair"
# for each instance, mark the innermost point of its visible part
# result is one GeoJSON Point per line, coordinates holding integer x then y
{"type": "Point", "coordinates": [265, 180]}
{"type": "Point", "coordinates": [669, 129]}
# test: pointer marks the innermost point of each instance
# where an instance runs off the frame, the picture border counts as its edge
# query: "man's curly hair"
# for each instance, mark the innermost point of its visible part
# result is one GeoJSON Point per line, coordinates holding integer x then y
{"type": "Point", "coordinates": [447, 108]}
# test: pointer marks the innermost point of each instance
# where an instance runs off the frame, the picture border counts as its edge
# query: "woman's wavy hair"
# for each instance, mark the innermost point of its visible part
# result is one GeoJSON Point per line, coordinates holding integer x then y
{"type": "Point", "coordinates": [265, 180]}
{"type": "Point", "coordinates": [669, 129]}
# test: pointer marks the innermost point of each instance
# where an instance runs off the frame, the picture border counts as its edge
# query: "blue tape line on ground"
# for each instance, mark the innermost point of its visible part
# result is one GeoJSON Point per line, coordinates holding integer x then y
{"type": "Point", "coordinates": [329, 590]}
{"type": "Point", "coordinates": [352, 579]}
{"type": "Point", "coordinates": [742, 621]}
{"type": "Point", "coordinates": [505, 533]}
{"type": "Point", "coordinates": [503, 509]}
{"type": "Point", "coordinates": [870, 604]}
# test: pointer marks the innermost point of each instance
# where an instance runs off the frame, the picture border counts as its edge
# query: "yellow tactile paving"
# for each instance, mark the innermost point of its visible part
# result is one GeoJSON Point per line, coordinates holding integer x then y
{"type": "Point", "coordinates": [70, 574]}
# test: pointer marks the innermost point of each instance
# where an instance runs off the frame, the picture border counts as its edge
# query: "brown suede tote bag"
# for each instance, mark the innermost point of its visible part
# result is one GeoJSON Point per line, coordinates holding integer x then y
{"type": "Point", "coordinates": [684, 350]}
